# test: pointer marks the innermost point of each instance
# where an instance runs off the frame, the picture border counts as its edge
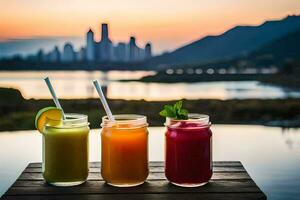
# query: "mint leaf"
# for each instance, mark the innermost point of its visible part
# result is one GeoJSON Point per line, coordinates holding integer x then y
{"type": "Point", "coordinates": [175, 111]}
{"type": "Point", "coordinates": [183, 114]}
{"type": "Point", "coordinates": [178, 105]}
{"type": "Point", "coordinates": [170, 111]}
{"type": "Point", "coordinates": [163, 113]}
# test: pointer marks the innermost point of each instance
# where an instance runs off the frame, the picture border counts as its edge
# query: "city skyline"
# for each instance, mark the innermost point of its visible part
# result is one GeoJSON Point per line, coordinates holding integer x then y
{"type": "Point", "coordinates": [102, 50]}
{"type": "Point", "coordinates": [169, 26]}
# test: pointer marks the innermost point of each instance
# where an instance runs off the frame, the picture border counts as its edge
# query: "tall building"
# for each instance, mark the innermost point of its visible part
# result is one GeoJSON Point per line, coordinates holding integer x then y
{"type": "Point", "coordinates": [105, 45]}
{"type": "Point", "coordinates": [104, 32]}
{"type": "Point", "coordinates": [133, 50]}
{"type": "Point", "coordinates": [68, 54]}
{"type": "Point", "coordinates": [141, 54]}
{"type": "Point", "coordinates": [120, 52]}
{"type": "Point", "coordinates": [127, 52]}
{"type": "Point", "coordinates": [54, 55]}
{"type": "Point", "coordinates": [90, 46]}
{"type": "Point", "coordinates": [148, 51]}
{"type": "Point", "coordinates": [81, 54]}
{"type": "Point", "coordinates": [40, 55]}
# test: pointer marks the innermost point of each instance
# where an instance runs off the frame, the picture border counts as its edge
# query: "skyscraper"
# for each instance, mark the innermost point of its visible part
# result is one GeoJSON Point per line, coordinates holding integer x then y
{"type": "Point", "coordinates": [81, 55]}
{"type": "Point", "coordinates": [132, 49]}
{"type": "Point", "coordinates": [120, 52]}
{"type": "Point", "coordinates": [40, 55]}
{"type": "Point", "coordinates": [90, 46]}
{"type": "Point", "coordinates": [148, 51]}
{"type": "Point", "coordinates": [104, 32]}
{"type": "Point", "coordinates": [141, 54]}
{"type": "Point", "coordinates": [54, 55]}
{"type": "Point", "coordinates": [105, 45]}
{"type": "Point", "coordinates": [68, 53]}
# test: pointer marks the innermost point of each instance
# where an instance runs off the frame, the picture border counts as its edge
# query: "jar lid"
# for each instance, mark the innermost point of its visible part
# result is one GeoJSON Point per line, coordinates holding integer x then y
{"type": "Point", "coordinates": [72, 120]}
{"type": "Point", "coordinates": [193, 118]}
{"type": "Point", "coordinates": [125, 121]}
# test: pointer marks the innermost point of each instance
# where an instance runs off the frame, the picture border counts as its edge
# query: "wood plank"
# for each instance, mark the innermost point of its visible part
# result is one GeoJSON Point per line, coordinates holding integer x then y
{"type": "Point", "coordinates": [230, 181]}
{"type": "Point", "coordinates": [40, 187]}
{"type": "Point", "coordinates": [31, 176]}
{"type": "Point", "coordinates": [159, 182]}
{"type": "Point", "coordinates": [157, 164]}
{"type": "Point", "coordinates": [193, 196]}
{"type": "Point", "coordinates": [151, 169]}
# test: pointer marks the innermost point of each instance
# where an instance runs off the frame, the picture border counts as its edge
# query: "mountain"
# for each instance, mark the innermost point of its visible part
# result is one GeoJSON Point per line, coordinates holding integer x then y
{"type": "Point", "coordinates": [279, 53]}
{"type": "Point", "coordinates": [235, 42]}
{"type": "Point", "coordinates": [27, 46]}
{"type": "Point", "coordinates": [283, 49]}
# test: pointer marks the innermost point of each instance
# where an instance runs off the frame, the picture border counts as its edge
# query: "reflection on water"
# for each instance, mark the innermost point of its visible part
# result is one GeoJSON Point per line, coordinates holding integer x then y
{"type": "Point", "coordinates": [206, 90]}
{"type": "Point", "coordinates": [291, 138]}
{"type": "Point", "coordinates": [266, 155]}
{"type": "Point", "coordinates": [78, 84]}
{"type": "Point", "coordinates": [67, 84]}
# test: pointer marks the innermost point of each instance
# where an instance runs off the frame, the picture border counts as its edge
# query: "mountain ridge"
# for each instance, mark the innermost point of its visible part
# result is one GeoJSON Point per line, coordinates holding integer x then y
{"type": "Point", "coordinates": [281, 50]}
{"type": "Point", "coordinates": [237, 41]}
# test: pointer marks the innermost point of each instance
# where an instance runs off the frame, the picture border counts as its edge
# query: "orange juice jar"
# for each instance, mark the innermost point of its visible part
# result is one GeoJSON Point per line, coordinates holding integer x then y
{"type": "Point", "coordinates": [124, 157]}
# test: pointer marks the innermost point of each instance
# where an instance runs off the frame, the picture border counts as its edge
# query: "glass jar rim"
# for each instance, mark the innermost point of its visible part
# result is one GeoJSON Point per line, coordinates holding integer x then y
{"type": "Point", "coordinates": [72, 120]}
{"type": "Point", "coordinates": [201, 119]}
{"type": "Point", "coordinates": [134, 120]}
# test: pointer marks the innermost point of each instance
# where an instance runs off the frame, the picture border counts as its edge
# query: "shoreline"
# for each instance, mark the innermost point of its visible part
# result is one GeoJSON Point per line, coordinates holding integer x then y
{"type": "Point", "coordinates": [282, 80]}
{"type": "Point", "coordinates": [17, 113]}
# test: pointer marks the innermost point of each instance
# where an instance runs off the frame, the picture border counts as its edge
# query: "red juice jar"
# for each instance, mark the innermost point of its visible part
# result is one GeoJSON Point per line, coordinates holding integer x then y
{"type": "Point", "coordinates": [188, 151]}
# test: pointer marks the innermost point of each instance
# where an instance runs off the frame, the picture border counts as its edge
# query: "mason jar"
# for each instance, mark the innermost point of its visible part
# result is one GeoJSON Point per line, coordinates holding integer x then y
{"type": "Point", "coordinates": [188, 151]}
{"type": "Point", "coordinates": [124, 155]}
{"type": "Point", "coordinates": [65, 150]}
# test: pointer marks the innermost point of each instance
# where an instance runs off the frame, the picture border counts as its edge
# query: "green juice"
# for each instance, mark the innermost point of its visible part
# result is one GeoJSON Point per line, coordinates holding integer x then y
{"type": "Point", "coordinates": [65, 154]}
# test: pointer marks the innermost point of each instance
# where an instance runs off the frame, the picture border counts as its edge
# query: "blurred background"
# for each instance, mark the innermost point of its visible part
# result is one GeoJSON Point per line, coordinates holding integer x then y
{"type": "Point", "coordinates": [237, 61]}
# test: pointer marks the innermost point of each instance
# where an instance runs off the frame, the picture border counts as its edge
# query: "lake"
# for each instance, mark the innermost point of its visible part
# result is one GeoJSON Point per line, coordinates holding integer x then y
{"type": "Point", "coordinates": [270, 155]}
{"type": "Point", "coordinates": [78, 84]}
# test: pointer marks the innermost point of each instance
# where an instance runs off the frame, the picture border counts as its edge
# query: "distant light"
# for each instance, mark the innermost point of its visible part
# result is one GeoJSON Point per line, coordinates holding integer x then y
{"type": "Point", "coordinates": [232, 71]}
{"type": "Point", "coordinates": [222, 71]}
{"type": "Point", "coordinates": [190, 71]}
{"type": "Point", "coordinates": [170, 71]}
{"type": "Point", "coordinates": [179, 71]}
{"type": "Point", "coordinates": [198, 71]}
{"type": "Point", "coordinates": [210, 71]}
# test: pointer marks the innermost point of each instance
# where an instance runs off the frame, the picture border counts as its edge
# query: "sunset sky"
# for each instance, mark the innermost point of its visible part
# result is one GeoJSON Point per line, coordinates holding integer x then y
{"type": "Point", "coordinates": [166, 23]}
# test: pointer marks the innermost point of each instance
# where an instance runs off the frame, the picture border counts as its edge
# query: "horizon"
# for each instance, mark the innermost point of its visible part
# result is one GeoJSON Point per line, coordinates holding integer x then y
{"type": "Point", "coordinates": [80, 41]}
{"type": "Point", "coordinates": [162, 32]}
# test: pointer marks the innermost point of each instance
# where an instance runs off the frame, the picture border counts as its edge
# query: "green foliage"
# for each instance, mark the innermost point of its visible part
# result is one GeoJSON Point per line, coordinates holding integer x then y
{"type": "Point", "coordinates": [174, 111]}
{"type": "Point", "coordinates": [19, 115]}
{"type": "Point", "coordinates": [10, 96]}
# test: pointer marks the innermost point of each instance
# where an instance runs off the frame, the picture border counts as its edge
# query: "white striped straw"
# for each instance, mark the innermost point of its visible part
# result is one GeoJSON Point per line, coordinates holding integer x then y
{"type": "Point", "coordinates": [103, 100]}
{"type": "Point", "coordinates": [54, 97]}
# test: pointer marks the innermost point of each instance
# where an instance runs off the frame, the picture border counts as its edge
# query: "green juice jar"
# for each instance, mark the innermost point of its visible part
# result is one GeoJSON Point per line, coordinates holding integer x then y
{"type": "Point", "coordinates": [65, 150]}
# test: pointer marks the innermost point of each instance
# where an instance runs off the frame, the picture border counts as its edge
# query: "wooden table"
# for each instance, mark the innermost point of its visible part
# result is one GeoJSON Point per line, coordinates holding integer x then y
{"type": "Point", "coordinates": [230, 181]}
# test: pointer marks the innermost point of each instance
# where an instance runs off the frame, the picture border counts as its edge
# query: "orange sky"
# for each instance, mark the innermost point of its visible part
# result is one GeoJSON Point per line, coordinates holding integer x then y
{"type": "Point", "coordinates": [166, 23]}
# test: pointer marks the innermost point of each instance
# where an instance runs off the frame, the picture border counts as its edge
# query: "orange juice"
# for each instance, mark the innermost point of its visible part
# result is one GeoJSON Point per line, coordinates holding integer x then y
{"type": "Point", "coordinates": [125, 150]}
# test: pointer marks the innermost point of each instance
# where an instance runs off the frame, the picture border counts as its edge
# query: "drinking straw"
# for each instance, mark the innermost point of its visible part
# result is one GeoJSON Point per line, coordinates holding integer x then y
{"type": "Point", "coordinates": [103, 100]}
{"type": "Point", "coordinates": [54, 97]}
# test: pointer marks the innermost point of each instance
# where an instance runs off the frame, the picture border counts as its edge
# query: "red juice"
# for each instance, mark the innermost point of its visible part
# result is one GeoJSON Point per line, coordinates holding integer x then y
{"type": "Point", "coordinates": [188, 153]}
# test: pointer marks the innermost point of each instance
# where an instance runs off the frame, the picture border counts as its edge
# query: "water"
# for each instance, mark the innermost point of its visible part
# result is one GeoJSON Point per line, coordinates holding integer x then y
{"type": "Point", "coordinates": [78, 84]}
{"type": "Point", "coordinates": [204, 90]}
{"type": "Point", "coordinates": [270, 155]}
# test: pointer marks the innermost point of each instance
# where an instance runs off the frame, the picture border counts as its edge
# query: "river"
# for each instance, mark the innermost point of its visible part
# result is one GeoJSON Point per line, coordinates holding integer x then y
{"type": "Point", "coordinates": [78, 84]}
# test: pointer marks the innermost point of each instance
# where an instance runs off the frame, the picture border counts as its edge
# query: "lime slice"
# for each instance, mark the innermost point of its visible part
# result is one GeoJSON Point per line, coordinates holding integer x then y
{"type": "Point", "coordinates": [48, 112]}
